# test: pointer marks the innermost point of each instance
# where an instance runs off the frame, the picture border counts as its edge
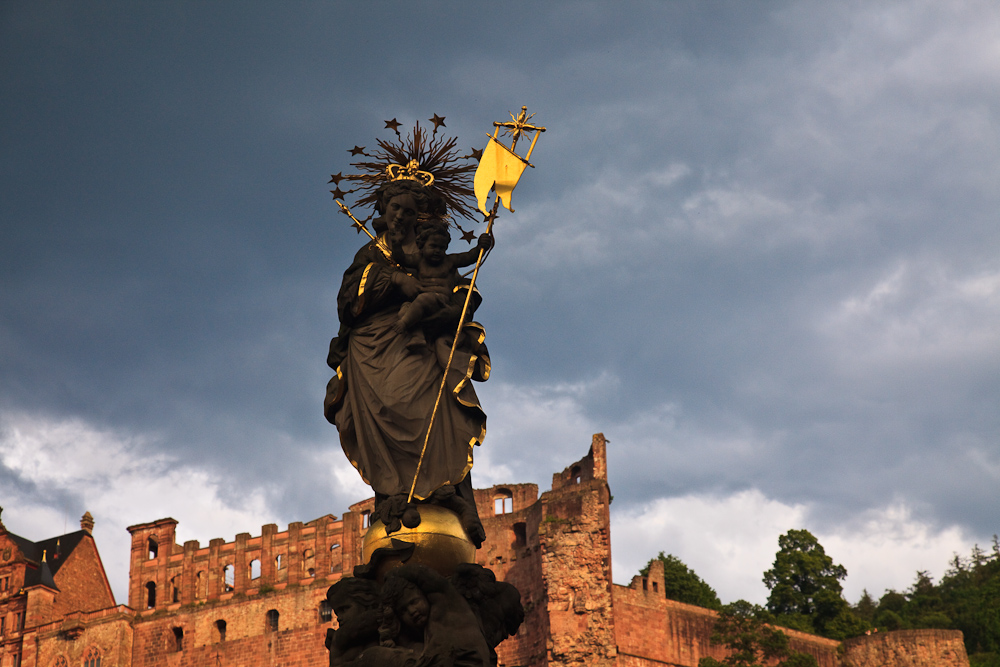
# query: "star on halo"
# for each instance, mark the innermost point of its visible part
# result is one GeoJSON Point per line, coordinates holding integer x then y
{"type": "Point", "coordinates": [438, 122]}
{"type": "Point", "coordinates": [338, 193]}
{"type": "Point", "coordinates": [477, 153]}
{"type": "Point", "coordinates": [393, 125]}
{"type": "Point", "coordinates": [357, 150]}
{"type": "Point", "coordinates": [467, 235]}
{"type": "Point", "coordinates": [337, 178]}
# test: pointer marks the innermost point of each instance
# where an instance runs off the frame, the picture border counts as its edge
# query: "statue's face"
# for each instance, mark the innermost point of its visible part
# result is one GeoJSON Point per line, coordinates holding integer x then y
{"type": "Point", "coordinates": [401, 214]}
{"type": "Point", "coordinates": [435, 250]}
{"type": "Point", "coordinates": [413, 608]}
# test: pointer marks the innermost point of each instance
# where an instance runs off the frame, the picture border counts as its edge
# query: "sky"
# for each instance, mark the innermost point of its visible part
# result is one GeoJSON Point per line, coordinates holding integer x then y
{"type": "Point", "coordinates": [759, 252]}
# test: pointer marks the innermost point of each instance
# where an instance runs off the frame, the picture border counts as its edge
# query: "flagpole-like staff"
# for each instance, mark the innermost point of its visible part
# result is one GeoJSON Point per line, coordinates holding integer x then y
{"type": "Point", "coordinates": [499, 169]}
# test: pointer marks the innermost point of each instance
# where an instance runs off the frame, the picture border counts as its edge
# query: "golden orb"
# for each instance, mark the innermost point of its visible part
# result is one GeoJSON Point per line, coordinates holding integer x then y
{"type": "Point", "coordinates": [440, 542]}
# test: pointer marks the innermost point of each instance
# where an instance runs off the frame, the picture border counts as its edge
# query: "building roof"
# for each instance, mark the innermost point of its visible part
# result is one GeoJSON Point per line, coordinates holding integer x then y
{"type": "Point", "coordinates": [56, 549]}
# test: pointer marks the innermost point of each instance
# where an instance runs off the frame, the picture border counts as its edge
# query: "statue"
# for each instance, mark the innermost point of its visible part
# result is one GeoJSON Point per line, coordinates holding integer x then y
{"type": "Point", "coordinates": [408, 416]}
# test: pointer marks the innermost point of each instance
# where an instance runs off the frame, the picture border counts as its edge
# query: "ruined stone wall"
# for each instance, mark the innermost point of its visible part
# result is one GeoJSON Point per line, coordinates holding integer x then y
{"type": "Point", "coordinates": [512, 551]}
{"type": "Point", "coordinates": [575, 542]}
{"type": "Point", "coordinates": [907, 648]}
{"type": "Point", "coordinates": [193, 636]}
{"type": "Point", "coordinates": [652, 630]}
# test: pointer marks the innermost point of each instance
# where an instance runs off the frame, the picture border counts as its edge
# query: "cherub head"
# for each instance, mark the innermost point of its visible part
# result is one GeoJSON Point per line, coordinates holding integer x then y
{"type": "Point", "coordinates": [433, 240]}
{"type": "Point", "coordinates": [352, 597]}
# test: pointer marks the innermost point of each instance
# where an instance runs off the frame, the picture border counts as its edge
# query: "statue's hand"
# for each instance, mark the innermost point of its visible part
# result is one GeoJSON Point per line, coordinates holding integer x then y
{"type": "Point", "coordinates": [486, 242]}
{"type": "Point", "coordinates": [408, 285]}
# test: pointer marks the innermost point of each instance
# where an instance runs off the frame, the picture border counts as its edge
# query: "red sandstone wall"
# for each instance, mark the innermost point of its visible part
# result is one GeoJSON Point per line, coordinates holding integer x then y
{"type": "Point", "coordinates": [907, 648]}
{"type": "Point", "coordinates": [248, 643]}
{"type": "Point", "coordinates": [575, 540]}
{"type": "Point", "coordinates": [82, 583]}
{"type": "Point", "coordinates": [108, 630]}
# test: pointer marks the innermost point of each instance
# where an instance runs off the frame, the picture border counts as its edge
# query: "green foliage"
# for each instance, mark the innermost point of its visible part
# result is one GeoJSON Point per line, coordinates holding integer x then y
{"type": "Point", "coordinates": [805, 589]}
{"type": "Point", "coordinates": [744, 629]}
{"type": "Point", "coordinates": [682, 584]}
{"type": "Point", "coordinates": [967, 599]}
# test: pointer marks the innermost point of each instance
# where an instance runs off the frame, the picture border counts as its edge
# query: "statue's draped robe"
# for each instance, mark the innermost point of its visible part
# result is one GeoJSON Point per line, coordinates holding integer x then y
{"type": "Point", "coordinates": [383, 393]}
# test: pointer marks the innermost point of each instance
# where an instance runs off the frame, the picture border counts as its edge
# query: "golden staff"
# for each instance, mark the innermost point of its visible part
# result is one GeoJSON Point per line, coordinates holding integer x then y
{"type": "Point", "coordinates": [357, 223]}
{"type": "Point", "coordinates": [516, 128]}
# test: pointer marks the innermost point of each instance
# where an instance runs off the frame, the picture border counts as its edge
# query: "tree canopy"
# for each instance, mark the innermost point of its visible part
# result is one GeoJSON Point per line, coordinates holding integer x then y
{"type": "Point", "coordinates": [682, 584]}
{"type": "Point", "coordinates": [805, 589]}
{"type": "Point", "coordinates": [744, 629]}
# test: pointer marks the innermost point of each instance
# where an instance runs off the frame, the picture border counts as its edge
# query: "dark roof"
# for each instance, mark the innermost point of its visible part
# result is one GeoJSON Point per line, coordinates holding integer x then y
{"type": "Point", "coordinates": [57, 550]}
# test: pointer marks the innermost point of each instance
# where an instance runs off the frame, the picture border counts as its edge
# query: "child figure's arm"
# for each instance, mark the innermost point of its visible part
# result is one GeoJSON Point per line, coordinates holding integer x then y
{"type": "Point", "coordinates": [470, 256]}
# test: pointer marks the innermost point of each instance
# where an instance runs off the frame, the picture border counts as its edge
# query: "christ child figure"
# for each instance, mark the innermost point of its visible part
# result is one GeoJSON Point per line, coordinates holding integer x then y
{"type": "Point", "coordinates": [435, 269]}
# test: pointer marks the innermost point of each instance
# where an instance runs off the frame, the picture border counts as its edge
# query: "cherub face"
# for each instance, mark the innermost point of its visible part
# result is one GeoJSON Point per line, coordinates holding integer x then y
{"type": "Point", "coordinates": [413, 608]}
{"type": "Point", "coordinates": [346, 610]}
{"type": "Point", "coordinates": [435, 250]}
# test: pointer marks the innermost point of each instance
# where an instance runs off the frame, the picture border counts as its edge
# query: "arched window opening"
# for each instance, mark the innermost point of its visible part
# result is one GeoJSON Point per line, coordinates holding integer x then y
{"type": "Point", "coordinates": [220, 631]}
{"type": "Point", "coordinates": [92, 658]}
{"type": "Point", "coordinates": [325, 611]}
{"type": "Point", "coordinates": [175, 589]}
{"type": "Point", "coordinates": [255, 569]}
{"type": "Point", "coordinates": [178, 639]}
{"type": "Point", "coordinates": [200, 585]}
{"type": "Point", "coordinates": [575, 474]}
{"type": "Point", "coordinates": [309, 562]}
{"type": "Point", "coordinates": [334, 546]}
{"type": "Point", "coordinates": [150, 595]}
{"type": "Point", "coordinates": [310, 572]}
{"type": "Point", "coordinates": [279, 562]}
{"type": "Point", "coordinates": [366, 519]}
{"type": "Point", "coordinates": [60, 661]}
{"type": "Point", "coordinates": [271, 621]}
{"type": "Point", "coordinates": [503, 502]}
{"type": "Point", "coordinates": [228, 578]}
{"type": "Point", "coordinates": [152, 548]}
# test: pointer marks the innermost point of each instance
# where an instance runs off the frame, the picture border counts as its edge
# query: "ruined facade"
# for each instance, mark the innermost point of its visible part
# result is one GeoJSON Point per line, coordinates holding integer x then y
{"type": "Point", "coordinates": [259, 601]}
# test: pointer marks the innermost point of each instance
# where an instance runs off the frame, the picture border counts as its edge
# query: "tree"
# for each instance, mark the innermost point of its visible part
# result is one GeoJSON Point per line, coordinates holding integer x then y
{"type": "Point", "coordinates": [682, 584]}
{"type": "Point", "coordinates": [743, 628]}
{"type": "Point", "coordinates": [805, 588]}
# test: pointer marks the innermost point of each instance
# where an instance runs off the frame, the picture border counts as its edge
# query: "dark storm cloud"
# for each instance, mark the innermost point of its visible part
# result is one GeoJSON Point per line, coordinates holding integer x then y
{"type": "Point", "coordinates": [759, 249]}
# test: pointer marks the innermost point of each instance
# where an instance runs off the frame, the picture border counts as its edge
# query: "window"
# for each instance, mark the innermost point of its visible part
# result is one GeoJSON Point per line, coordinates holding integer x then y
{"type": "Point", "coordinates": [152, 548]}
{"type": "Point", "coordinates": [92, 658]}
{"type": "Point", "coordinates": [220, 631]}
{"type": "Point", "coordinates": [520, 534]}
{"type": "Point", "coordinates": [325, 611]}
{"type": "Point", "coordinates": [279, 562]}
{"type": "Point", "coordinates": [175, 589]}
{"type": "Point", "coordinates": [17, 660]}
{"type": "Point", "coordinates": [4, 584]}
{"type": "Point", "coordinates": [150, 595]}
{"type": "Point", "coordinates": [3, 625]}
{"type": "Point", "coordinates": [60, 661]}
{"type": "Point", "coordinates": [310, 572]}
{"type": "Point", "coordinates": [271, 624]}
{"type": "Point", "coordinates": [228, 578]}
{"type": "Point", "coordinates": [178, 639]}
{"type": "Point", "coordinates": [656, 587]}
{"type": "Point", "coordinates": [366, 519]}
{"type": "Point", "coordinates": [18, 621]}
{"type": "Point", "coordinates": [334, 546]}
{"type": "Point", "coordinates": [575, 474]}
{"type": "Point", "coordinates": [200, 585]}
{"type": "Point", "coordinates": [503, 502]}
{"type": "Point", "coordinates": [255, 569]}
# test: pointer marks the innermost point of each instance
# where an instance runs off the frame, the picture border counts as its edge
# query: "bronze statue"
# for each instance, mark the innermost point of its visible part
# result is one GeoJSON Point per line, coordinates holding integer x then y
{"type": "Point", "coordinates": [408, 416]}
